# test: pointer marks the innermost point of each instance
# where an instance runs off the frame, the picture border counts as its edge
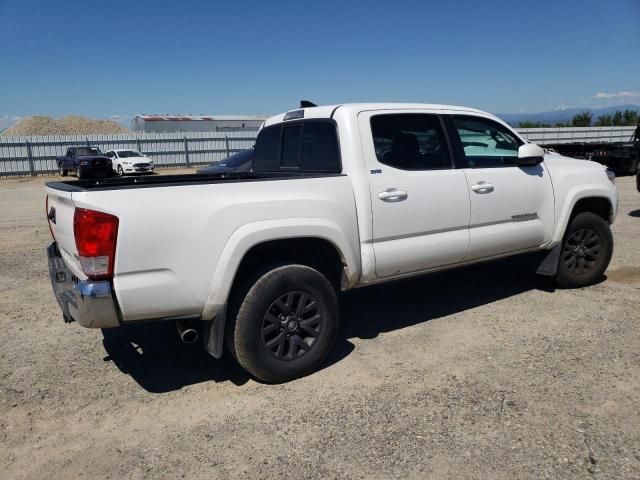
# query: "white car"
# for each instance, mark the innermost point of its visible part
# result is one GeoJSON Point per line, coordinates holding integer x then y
{"type": "Point", "coordinates": [125, 161]}
{"type": "Point", "coordinates": [339, 197]}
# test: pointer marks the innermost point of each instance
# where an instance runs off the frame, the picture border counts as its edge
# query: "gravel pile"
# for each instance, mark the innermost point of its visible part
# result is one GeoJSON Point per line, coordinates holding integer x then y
{"type": "Point", "coordinates": [71, 125]}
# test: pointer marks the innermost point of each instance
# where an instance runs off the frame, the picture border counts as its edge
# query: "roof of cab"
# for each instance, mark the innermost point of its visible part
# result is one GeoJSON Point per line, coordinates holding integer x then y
{"type": "Point", "coordinates": [327, 111]}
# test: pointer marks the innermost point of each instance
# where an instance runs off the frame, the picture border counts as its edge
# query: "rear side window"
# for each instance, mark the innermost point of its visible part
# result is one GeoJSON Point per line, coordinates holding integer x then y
{"type": "Point", "coordinates": [486, 143]}
{"type": "Point", "coordinates": [410, 141]}
{"type": "Point", "coordinates": [319, 151]}
{"type": "Point", "coordinates": [306, 147]}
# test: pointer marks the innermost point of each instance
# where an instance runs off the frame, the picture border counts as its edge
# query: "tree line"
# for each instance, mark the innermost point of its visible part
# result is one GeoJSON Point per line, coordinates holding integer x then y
{"type": "Point", "coordinates": [628, 118]}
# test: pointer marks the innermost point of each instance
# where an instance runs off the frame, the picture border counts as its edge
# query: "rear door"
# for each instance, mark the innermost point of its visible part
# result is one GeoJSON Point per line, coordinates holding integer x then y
{"type": "Point", "coordinates": [420, 203]}
{"type": "Point", "coordinates": [512, 207]}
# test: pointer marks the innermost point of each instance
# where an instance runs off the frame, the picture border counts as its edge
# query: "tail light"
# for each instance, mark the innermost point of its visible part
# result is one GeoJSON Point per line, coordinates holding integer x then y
{"type": "Point", "coordinates": [95, 234]}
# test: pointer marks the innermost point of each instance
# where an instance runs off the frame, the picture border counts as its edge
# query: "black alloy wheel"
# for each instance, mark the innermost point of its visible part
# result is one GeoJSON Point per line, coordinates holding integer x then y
{"type": "Point", "coordinates": [586, 251]}
{"type": "Point", "coordinates": [283, 322]}
{"type": "Point", "coordinates": [581, 251]}
{"type": "Point", "coordinates": [291, 325]}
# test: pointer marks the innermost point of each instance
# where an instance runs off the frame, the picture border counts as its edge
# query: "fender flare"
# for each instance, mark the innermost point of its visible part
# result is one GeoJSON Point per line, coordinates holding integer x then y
{"type": "Point", "coordinates": [576, 194]}
{"type": "Point", "coordinates": [243, 239]}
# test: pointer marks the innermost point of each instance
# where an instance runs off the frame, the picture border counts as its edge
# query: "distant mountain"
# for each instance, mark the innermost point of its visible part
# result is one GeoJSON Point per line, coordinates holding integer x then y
{"type": "Point", "coordinates": [563, 115]}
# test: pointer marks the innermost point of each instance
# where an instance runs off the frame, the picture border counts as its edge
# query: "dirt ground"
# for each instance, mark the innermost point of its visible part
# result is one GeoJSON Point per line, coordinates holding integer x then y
{"type": "Point", "coordinates": [481, 373]}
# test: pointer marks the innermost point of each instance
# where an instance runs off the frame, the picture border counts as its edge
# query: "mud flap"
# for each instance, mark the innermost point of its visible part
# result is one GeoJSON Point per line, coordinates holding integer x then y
{"type": "Point", "coordinates": [549, 264]}
{"type": "Point", "coordinates": [213, 334]}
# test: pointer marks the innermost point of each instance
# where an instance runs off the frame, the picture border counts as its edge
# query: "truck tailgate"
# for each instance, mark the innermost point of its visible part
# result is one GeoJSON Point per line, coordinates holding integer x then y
{"type": "Point", "coordinates": [60, 211]}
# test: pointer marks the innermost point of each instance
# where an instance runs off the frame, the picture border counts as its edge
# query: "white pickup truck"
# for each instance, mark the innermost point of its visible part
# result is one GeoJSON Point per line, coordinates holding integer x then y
{"type": "Point", "coordinates": [339, 197]}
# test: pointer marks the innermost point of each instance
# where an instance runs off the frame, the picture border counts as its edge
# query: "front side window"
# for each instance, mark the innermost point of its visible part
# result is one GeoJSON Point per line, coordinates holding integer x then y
{"type": "Point", "coordinates": [486, 143]}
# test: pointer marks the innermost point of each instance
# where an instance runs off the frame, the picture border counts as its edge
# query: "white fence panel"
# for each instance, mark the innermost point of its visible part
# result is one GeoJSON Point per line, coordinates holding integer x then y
{"type": "Point", "coordinates": [35, 155]}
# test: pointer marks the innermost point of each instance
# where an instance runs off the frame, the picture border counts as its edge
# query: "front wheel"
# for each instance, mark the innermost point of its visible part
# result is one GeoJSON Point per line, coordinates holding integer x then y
{"type": "Point", "coordinates": [120, 171]}
{"type": "Point", "coordinates": [63, 172]}
{"type": "Point", "coordinates": [586, 251]}
{"type": "Point", "coordinates": [286, 324]}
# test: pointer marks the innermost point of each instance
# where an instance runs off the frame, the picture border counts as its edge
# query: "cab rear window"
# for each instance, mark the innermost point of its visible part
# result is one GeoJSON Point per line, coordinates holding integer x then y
{"type": "Point", "coordinates": [309, 146]}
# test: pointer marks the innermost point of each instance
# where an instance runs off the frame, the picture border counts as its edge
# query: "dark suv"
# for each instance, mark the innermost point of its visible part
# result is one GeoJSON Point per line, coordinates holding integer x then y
{"type": "Point", "coordinates": [85, 162]}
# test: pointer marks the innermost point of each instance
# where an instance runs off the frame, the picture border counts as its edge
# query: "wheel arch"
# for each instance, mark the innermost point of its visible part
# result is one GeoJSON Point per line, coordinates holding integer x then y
{"type": "Point", "coordinates": [597, 200]}
{"type": "Point", "coordinates": [313, 242]}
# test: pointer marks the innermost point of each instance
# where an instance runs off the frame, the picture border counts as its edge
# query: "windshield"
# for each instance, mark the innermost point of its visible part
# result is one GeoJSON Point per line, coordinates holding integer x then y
{"type": "Point", "coordinates": [129, 153]}
{"type": "Point", "coordinates": [87, 151]}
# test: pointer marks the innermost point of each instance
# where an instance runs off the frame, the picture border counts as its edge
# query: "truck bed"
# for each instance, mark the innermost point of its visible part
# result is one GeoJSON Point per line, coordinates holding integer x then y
{"type": "Point", "coordinates": [172, 239]}
{"type": "Point", "coordinates": [148, 181]}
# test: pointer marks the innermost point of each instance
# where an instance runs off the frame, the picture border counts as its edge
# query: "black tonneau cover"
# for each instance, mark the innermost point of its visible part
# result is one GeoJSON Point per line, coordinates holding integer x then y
{"type": "Point", "coordinates": [121, 183]}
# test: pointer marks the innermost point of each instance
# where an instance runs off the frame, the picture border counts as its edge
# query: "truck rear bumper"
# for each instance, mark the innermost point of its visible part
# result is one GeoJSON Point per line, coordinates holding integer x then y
{"type": "Point", "coordinates": [90, 303]}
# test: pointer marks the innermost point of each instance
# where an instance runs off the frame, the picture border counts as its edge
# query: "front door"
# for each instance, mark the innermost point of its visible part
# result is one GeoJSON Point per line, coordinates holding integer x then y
{"type": "Point", "coordinates": [512, 207]}
{"type": "Point", "coordinates": [419, 202]}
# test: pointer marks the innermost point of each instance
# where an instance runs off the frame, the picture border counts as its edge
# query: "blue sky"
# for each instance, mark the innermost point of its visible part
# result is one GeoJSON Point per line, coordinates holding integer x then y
{"type": "Point", "coordinates": [105, 58]}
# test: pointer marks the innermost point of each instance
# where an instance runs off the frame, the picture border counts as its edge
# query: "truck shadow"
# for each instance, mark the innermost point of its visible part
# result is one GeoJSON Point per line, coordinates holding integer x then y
{"type": "Point", "coordinates": [159, 362]}
{"type": "Point", "coordinates": [377, 309]}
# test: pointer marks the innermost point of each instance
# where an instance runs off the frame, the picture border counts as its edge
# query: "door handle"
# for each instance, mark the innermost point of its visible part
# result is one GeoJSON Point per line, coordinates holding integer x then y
{"type": "Point", "coordinates": [482, 187]}
{"type": "Point", "coordinates": [393, 195]}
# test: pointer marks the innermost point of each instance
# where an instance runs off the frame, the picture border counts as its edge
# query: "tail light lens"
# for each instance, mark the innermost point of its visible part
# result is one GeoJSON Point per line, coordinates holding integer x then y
{"type": "Point", "coordinates": [95, 234]}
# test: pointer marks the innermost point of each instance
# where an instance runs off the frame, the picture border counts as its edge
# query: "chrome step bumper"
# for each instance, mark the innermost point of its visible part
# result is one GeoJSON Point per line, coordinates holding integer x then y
{"type": "Point", "coordinates": [90, 303]}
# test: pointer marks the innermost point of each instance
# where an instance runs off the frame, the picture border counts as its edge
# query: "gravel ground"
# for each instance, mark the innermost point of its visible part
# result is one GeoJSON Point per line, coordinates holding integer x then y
{"type": "Point", "coordinates": [486, 372]}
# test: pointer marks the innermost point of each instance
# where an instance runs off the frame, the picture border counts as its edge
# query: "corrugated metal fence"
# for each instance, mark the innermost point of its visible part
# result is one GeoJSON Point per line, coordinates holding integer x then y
{"type": "Point", "coordinates": [548, 136]}
{"type": "Point", "coordinates": [35, 155]}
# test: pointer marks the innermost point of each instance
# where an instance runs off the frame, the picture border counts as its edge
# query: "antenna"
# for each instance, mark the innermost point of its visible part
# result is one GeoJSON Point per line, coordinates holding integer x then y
{"type": "Point", "coordinates": [307, 104]}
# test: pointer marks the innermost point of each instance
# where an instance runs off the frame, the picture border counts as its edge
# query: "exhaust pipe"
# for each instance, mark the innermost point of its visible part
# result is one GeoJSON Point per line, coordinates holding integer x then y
{"type": "Point", "coordinates": [187, 333]}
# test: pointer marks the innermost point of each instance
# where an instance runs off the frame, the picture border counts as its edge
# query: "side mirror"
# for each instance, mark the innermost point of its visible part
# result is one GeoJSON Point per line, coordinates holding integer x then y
{"type": "Point", "coordinates": [530, 154]}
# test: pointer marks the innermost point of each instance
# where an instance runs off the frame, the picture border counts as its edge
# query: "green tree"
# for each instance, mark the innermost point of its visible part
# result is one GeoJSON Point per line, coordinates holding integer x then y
{"type": "Point", "coordinates": [604, 121]}
{"type": "Point", "coordinates": [581, 119]}
{"type": "Point", "coordinates": [617, 119]}
{"type": "Point", "coordinates": [630, 118]}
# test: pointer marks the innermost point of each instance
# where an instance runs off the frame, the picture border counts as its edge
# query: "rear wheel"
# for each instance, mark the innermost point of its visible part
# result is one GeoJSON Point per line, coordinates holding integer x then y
{"type": "Point", "coordinates": [63, 172]}
{"type": "Point", "coordinates": [286, 324]}
{"type": "Point", "coordinates": [586, 251]}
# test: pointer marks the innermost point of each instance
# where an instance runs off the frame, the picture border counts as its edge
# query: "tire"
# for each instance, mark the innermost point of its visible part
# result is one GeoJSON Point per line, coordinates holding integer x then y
{"type": "Point", "coordinates": [586, 251]}
{"type": "Point", "coordinates": [286, 324]}
{"type": "Point", "coordinates": [79, 173]}
{"type": "Point", "coordinates": [120, 171]}
{"type": "Point", "coordinates": [63, 172]}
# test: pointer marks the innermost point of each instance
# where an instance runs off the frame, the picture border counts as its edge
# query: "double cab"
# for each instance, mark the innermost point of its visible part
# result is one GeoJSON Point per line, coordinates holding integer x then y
{"type": "Point", "coordinates": [338, 197]}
